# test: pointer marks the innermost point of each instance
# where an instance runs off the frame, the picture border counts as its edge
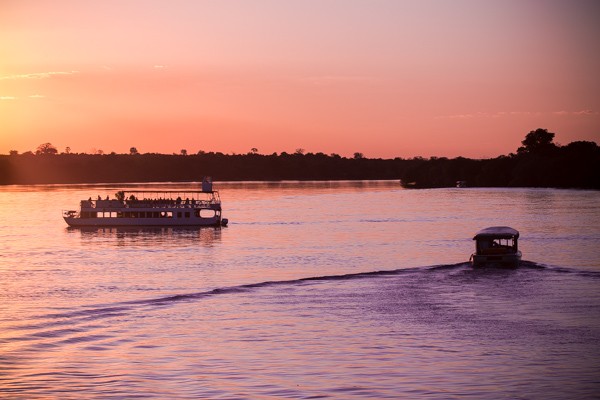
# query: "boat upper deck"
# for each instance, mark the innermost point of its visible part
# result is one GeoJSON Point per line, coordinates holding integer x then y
{"type": "Point", "coordinates": [155, 199]}
{"type": "Point", "coordinates": [496, 240]}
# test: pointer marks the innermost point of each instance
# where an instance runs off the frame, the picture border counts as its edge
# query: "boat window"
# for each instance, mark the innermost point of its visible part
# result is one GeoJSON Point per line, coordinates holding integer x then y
{"type": "Point", "coordinates": [187, 214]}
{"type": "Point", "coordinates": [206, 213]}
{"type": "Point", "coordinates": [179, 214]}
{"type": "Point", "coordinates": [166, 214]}
{"type": "Point", "coordinates": [496, 245]}
{"type": "Point", "coordinates": [503, 243]}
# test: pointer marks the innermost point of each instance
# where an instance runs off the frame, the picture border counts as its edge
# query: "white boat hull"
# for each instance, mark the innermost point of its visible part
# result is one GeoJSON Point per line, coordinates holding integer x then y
{"type": "Point", "coordinates": [110, 222]}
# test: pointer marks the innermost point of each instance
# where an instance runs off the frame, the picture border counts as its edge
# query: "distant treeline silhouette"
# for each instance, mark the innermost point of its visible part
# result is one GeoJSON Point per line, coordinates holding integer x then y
{"type": "Point", "coordinates": [538, 163]}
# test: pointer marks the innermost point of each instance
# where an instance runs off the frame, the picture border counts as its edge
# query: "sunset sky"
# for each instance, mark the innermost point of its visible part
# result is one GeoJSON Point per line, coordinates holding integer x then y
{"type": "Point", "coordinates": [396, 78]}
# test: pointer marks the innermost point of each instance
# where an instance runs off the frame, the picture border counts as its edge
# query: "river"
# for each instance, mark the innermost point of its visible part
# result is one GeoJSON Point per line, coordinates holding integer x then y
{"type": "Point", "coordinates": [313, 290]}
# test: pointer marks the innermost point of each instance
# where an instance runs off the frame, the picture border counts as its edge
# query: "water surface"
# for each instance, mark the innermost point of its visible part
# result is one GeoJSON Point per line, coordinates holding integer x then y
{"type": "Point", "coordinates": [315, 289]}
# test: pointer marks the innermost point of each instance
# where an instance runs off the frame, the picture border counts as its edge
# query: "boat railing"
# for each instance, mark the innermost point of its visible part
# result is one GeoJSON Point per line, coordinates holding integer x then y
{"type": "Point", "coordinates": [155, 203]}
{"type": "Point", "coordinates": [169, 204]}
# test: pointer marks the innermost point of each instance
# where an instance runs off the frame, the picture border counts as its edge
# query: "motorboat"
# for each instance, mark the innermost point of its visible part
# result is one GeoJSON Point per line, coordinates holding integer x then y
{"type": "Point", "coordinates": [496, 246]}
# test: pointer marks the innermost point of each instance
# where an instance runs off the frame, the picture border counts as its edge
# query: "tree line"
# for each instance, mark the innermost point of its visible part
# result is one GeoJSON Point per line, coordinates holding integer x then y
{"type": "Point", "coordinates": [539, 162]}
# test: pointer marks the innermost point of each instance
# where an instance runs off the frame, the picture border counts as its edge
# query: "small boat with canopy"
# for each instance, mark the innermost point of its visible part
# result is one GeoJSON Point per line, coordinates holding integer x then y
{"type": "Point", "coordinates": [496, 246]}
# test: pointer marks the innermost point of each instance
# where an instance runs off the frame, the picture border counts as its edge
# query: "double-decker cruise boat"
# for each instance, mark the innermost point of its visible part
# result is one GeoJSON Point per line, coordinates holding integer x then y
{"type": "Point", "coordinates": [496, 246]}
{"type": "Point", "coordinates": [151, 208]}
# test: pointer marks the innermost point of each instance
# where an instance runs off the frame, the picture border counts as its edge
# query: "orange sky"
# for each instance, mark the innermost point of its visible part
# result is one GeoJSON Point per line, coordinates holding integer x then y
{"type": "Point", "coordinates": [385, 78]}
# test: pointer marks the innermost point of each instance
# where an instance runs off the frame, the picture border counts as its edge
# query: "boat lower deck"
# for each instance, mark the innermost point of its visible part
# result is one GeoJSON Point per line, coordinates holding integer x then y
{"type": "Point", "coordinates": [144, 217]}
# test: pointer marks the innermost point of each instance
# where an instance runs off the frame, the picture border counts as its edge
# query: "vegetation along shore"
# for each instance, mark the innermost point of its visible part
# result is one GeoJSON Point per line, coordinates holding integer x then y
{"type": "Point", "coordinates": [539, 162]}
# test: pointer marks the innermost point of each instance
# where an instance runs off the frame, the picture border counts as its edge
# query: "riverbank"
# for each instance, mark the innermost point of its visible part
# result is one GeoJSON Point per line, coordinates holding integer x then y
{"type": "Point", "coordinates": [574, 166]}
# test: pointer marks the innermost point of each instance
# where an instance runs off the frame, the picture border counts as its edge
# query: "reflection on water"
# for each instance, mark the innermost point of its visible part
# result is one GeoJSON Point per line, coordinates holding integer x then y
{"type": "Point", "coordinates": [149, 236]}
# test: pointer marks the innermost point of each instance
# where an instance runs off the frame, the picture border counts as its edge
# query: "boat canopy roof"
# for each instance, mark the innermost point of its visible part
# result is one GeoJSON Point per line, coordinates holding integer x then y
{"type": "Point", "coordinates": [497, 232]}
{"type": "Point", "coordinates": [170, 192]}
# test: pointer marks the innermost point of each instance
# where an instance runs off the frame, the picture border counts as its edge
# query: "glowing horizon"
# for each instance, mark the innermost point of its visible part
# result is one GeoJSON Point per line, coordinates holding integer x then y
{"type": "Point", "coordinates": [387, 79]}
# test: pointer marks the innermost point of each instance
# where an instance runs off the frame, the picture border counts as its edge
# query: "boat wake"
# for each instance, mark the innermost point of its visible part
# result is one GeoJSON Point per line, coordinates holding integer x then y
{"type": "Point", "coordinates": [408, 289]}
{"type": "Point", "coordinates": [116, 309]}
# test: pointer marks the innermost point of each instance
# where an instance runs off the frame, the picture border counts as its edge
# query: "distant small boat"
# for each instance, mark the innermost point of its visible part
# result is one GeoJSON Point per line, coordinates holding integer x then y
{"type": "Point", "coordinates": [496, 246]}
{"type": "Point", "coordinates": [151, 208]}
{"type": "Point", "coordinates": [461, 184]}
{"type": "Point", "coordinates": [411, 185]}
